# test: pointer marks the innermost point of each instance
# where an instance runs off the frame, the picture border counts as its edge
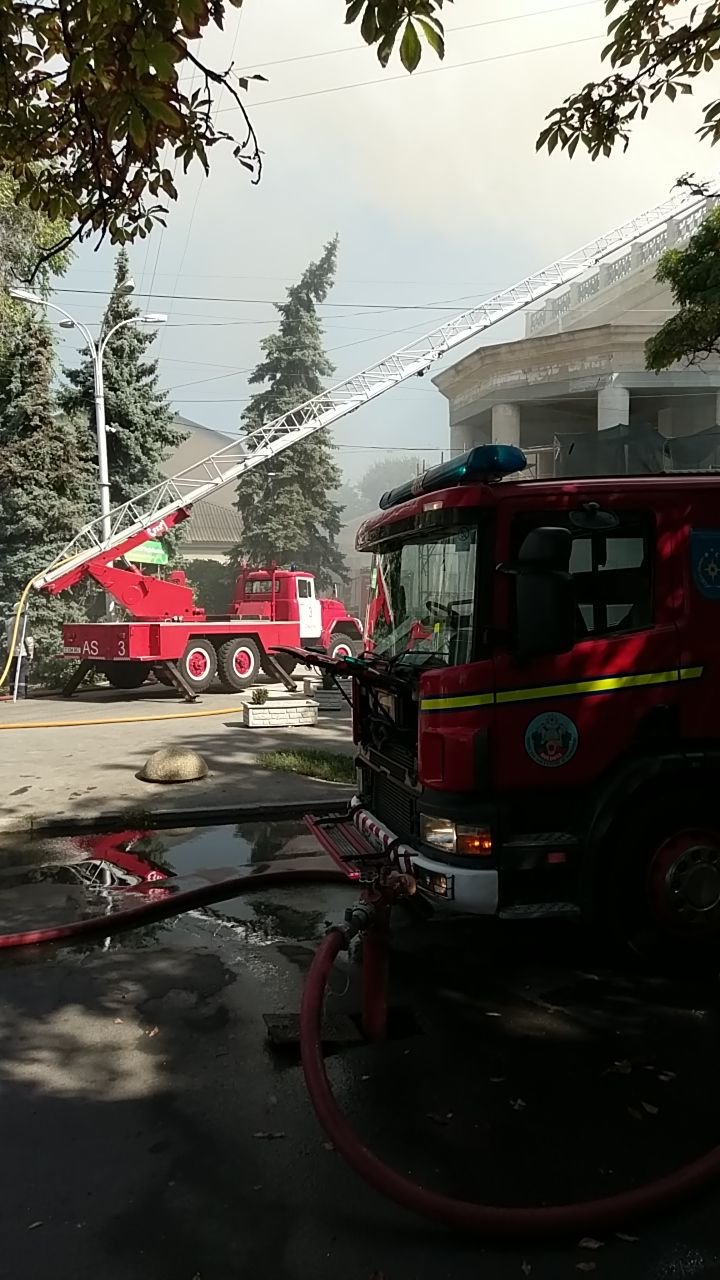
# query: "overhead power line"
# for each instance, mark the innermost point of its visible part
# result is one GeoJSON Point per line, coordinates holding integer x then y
{"type": "Point", "coordinates": [272, 302]}
{"type": "Point", "coordinates": [430, 71]}
{"type": "Point", "coordinates": [266, 64]}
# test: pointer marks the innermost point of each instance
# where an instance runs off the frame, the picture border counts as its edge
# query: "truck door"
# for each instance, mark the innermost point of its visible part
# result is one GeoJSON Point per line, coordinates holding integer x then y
{"type": "Point", "coordinates": [566, 719]}
{"type": "Point", "coordinates": [310, 610]}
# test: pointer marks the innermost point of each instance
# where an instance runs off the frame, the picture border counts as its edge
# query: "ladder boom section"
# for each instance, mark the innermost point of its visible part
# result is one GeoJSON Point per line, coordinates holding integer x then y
{"type": "Point", "coordinates": [151, 509]}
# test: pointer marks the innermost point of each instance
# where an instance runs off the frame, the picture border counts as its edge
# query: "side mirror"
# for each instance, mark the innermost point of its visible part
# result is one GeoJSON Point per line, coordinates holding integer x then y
{"type": "Point", "coordinates": [545, 608]}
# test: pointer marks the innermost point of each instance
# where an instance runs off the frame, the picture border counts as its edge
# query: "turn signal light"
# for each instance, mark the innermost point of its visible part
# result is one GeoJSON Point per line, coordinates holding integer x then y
{"type": "Point", "coordinates": [475, 842]}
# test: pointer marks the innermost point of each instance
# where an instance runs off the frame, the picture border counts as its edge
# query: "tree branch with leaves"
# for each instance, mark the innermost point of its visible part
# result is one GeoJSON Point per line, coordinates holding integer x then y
{"type": "Point", "coordinates": [96, 113]}
{"type": "Point", "coordinates": [652, 54]}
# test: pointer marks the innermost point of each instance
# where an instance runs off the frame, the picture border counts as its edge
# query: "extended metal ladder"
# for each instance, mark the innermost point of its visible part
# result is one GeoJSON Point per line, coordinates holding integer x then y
{"type": "Point", "coordinates": [147, 512]}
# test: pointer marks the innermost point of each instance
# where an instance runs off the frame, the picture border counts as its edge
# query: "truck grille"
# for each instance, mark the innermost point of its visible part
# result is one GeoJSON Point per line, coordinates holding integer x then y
{"type": "Point", "coordinates": [392, 805]}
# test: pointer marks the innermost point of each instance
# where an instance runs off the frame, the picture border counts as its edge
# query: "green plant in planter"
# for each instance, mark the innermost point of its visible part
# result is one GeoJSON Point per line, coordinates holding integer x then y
{"type": "Point", "coordinates": [259, 697]}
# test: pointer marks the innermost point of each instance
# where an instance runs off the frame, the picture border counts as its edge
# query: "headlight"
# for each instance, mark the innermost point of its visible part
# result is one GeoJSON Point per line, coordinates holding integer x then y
{"type": "Point", "coordinates": [439, 832]}
{"type": "Point", "coordinates": [452, 837]}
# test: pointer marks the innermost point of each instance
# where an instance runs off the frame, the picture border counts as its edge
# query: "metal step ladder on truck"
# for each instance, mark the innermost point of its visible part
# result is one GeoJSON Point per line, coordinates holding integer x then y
{"type": "Point", "coordinates": [168, 634]}
{"type": "Point", "coordinates": [164, 631]}
{"type": "Point", "coordinates": [536, 712]}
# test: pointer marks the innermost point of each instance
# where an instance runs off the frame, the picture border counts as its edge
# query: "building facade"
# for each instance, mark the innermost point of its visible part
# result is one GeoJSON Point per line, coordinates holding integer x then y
{"type": "Point", "coordinates": [574, 392]}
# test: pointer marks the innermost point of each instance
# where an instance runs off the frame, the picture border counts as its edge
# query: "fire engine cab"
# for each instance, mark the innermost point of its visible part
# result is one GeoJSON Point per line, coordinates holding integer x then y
{"type": "Point", "coordinates": [536, 713]}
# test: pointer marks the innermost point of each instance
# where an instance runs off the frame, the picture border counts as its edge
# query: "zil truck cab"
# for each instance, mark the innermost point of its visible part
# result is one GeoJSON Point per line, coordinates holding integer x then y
{"type": "Point", "coordinates": [537, 710]}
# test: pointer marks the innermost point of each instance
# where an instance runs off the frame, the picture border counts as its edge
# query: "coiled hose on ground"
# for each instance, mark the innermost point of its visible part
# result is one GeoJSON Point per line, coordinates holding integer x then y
{"type": "Point", "coordinates": [489, 1221]}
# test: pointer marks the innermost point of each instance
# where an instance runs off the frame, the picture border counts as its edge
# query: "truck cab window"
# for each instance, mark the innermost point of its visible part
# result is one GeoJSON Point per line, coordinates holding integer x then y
{"type": "Point", "coordinates": [611, 570]}
{"type": "Point", "coordinates": [304, 588]}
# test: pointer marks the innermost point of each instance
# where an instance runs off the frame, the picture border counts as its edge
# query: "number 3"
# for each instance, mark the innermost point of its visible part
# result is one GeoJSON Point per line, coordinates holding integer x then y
{"type": "Point", "coordinates": [121, 647]}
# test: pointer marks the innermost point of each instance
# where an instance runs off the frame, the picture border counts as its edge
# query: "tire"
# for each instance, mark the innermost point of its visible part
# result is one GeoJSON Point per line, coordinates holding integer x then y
{"type": "Point", "coordinates": [126, 675]}
{"type": "Point", "coordinates": [344, 646]}
{"type": "Point", "coordinates": [198, 664]}
{"type": "Point", "coordinates": [238, 663]}
{"type": "Point", "coordinates": [660, 887]}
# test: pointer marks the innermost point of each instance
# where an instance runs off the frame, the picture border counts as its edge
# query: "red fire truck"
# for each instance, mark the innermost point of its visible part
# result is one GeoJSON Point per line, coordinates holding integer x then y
{"type": "Point", "coordinates": [167, 633]}
{"type": "Point", "coordinates": [536, 714]}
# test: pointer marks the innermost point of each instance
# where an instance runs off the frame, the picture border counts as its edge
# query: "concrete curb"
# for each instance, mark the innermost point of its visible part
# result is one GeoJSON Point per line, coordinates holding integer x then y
{"type": "Point", "coordinates": [138, 817]}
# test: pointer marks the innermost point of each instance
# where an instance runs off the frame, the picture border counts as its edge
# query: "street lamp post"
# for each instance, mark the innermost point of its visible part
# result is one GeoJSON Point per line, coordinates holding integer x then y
{"type": "Point", "coordinates": [97, 351]}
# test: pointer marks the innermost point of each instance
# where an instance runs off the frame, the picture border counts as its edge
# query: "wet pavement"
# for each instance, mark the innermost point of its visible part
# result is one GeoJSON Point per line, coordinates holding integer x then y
{"type": "Point", "coordinates": [150, 1130]}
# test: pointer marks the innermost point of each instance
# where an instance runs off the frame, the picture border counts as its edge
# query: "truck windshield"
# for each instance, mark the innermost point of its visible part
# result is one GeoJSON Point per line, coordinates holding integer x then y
{"type": "Point", "coordinates": [422, 598]}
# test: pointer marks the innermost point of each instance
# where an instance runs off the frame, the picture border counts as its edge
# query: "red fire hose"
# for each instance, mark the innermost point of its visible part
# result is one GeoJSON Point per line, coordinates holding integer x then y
{"type": "Point", "coordinates": [173, 905]}
{"type": "Point", "coordinates": [485, 1220]}
{"type": "Point", "coordinates": [482, 1219]}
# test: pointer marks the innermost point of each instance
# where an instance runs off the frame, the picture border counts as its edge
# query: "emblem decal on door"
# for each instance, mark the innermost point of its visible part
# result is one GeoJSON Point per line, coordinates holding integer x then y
{"type": "Point", "coordinates": [705, 556]}
{"type": "Point", "coordinates": [551, 739]}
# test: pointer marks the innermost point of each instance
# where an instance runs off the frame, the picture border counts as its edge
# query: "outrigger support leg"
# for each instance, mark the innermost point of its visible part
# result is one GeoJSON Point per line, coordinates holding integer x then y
{"type": "Point", "coordinates": [76, 679]}
{"type": "Point", "coordinates": [178, 681]}
{"type": "Point", "coordinates": [277, 671]}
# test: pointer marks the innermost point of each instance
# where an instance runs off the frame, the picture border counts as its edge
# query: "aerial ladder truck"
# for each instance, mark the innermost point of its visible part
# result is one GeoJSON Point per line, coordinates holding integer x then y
{"type": "Point", "coordinates": [162, 628]}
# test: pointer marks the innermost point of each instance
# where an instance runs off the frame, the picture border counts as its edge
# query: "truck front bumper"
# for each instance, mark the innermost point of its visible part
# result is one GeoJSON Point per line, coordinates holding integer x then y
{"type": "Point", "coordinates": [462, 890]}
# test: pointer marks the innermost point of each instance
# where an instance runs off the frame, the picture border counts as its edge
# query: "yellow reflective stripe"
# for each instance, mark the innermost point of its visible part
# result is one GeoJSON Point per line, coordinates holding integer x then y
{"type": "Point", "coordinates": [691, 673]}
{"type": "Point", "coordinates": [604, 684]}
{"type": "Point", "coordinates": [451, 704]}
{"type": "Point", "coordinates": [607, 684]}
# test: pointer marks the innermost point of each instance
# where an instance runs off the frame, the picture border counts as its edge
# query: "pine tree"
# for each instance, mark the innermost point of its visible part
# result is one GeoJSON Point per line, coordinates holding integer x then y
{"type": "Point", "coordinates": [45, 485]}
{"type": "Point", "coordinates": [286, 506]}
{"type": "Point", "coordinates": [139, 418]}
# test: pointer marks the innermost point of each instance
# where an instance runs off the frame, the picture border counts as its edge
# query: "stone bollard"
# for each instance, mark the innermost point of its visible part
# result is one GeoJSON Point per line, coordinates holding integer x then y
{"type": "Point", "coordinates": [174, 764]}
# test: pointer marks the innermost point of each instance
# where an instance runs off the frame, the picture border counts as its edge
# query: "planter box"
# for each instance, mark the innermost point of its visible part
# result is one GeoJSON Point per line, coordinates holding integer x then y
{"type": "Point", "coordinates": [281, 714]}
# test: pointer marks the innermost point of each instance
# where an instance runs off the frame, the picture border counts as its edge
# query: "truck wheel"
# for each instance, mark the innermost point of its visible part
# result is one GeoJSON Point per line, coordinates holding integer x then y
{"type": "Point", "coordinates": [345, 647]}
{"type": "Point", "coordinates": [199, 664]}
{"type": "Point", "coordinates": [126, 675]}
{"type": "Point", "coordinates": [238, 663]}
{"type": "Point", "coordinates": [664, 888]}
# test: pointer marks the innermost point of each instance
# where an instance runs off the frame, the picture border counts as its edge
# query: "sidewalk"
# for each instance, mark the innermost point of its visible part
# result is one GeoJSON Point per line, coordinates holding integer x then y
{"type": "Point", "coordinates": [86, 773]}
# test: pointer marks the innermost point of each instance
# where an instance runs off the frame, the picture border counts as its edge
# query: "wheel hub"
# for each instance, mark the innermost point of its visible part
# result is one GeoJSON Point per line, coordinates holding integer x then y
{"type": "Point", "coordinates": [242, 662]}
{"type": "Point", "coordinates": [197, 664]}
{"type": "Point", "coordinates": [685, 882]}
{"type": "Point", "coordinates": [695, 880]}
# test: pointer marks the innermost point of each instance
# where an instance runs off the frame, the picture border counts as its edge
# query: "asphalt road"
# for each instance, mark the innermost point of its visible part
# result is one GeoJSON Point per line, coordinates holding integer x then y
{"type": "Point", "coordinates": [151, 1132]}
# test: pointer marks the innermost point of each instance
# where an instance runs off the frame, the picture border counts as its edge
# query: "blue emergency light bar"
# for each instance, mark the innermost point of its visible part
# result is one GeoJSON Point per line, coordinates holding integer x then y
{"type": "Point", "coordinates": [487, 463]}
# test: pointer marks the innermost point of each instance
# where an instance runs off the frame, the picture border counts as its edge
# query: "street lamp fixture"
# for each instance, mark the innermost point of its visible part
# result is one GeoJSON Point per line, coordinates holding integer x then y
{"type": "Point", "coordinates": [153, 317]}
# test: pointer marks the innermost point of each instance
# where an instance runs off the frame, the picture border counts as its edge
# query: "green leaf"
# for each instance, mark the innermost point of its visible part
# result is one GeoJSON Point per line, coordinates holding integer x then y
{"type": "Point", "coordinates": [385, 48]}
{"type": "Point", "coordinates": [137, 129]}
{"type": "Point", "coordinates": [433, 37]}
{"type": "Point", "coordinates": [159, 109]}
{"type": "Point", "coordinates": [163, 57]}
{"type": "Point", "coordinates": [410, 47]}
{"type": "Point", "coordinates": [355, 7]}
{"type": "Point", "coordinates": [368, 26]}
{"type": "Point", "coordinates": [79, 68]}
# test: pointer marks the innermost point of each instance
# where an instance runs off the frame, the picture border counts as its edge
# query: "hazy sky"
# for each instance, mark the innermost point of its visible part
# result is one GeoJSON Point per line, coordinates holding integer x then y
{"type": "Point", "coordinates": [431, 181]}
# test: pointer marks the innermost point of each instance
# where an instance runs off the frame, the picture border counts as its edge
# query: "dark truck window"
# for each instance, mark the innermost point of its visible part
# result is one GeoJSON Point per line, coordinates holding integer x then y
{"type": "Point", "coordinates": [612, 572]}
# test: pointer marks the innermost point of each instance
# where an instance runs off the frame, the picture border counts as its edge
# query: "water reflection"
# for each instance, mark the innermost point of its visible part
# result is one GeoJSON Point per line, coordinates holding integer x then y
{"type": "Point", "coordinates": [43, 882]}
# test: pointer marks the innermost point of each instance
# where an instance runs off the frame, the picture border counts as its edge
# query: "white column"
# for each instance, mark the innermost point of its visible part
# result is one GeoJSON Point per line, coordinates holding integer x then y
{"type": "Point", "coordinates": [665, 421]}
{"type": "Point", "coordinates": [613, 406]}
{"type": "Point", "coordinates": [506, 424]}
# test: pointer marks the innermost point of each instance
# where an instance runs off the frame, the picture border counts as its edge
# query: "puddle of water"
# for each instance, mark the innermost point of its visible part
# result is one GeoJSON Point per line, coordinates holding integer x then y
{"type": "Point", "coordinates": [90, 865]}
